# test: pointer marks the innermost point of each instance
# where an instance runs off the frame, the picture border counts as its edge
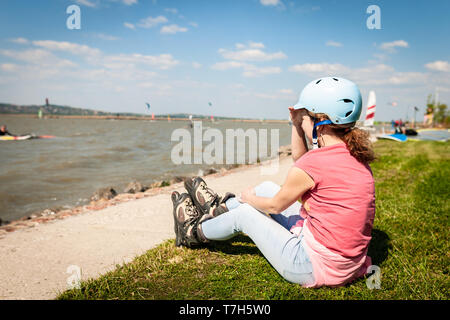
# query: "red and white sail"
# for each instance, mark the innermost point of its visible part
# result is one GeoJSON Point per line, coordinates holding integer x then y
{"type": "Point", "coordinates": [370, 111]}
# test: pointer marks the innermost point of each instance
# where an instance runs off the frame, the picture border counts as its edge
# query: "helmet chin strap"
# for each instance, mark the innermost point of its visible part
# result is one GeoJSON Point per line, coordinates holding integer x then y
{"type": "Point", "coordinates": [314, 133]}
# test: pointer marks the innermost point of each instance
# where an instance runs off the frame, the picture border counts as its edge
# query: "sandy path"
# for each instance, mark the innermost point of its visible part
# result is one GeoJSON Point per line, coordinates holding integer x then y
{"type": "Point", "coordinates": [34, 262]}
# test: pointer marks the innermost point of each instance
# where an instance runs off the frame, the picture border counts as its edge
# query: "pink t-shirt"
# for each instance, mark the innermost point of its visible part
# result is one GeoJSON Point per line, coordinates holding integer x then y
{"type": "Point", "coordinates": [339, 213]}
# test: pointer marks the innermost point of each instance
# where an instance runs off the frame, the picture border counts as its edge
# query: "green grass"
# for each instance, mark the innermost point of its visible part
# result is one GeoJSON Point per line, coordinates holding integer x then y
{"type": "Point", "coordinates": [410, 244]}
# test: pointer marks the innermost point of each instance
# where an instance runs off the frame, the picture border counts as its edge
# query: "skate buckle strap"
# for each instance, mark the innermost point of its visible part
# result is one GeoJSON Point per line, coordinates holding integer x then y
{"type": "Point", "coordinates": [314, 133]}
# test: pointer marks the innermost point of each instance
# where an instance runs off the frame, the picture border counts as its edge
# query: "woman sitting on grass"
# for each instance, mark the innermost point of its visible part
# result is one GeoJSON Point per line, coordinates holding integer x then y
{"type": "Point", "coordinates": [324, 241]}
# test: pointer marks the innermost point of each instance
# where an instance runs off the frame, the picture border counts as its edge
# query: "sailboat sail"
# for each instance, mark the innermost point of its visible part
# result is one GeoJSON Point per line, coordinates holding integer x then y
{"type": "Point", "coordinates": [370, 111]}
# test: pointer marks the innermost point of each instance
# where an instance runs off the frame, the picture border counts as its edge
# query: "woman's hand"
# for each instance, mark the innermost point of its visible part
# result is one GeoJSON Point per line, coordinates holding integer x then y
{"type": "Point", "coordinates": [297, 116]}
{"type": "Point", "coordinates": [247, 194]}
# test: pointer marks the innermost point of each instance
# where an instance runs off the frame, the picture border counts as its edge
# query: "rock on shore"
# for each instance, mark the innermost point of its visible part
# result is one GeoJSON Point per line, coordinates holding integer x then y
{"type": "Point", "coordinates": [104, 194]}
{"type": "Point", "coordinates": [135, 187]}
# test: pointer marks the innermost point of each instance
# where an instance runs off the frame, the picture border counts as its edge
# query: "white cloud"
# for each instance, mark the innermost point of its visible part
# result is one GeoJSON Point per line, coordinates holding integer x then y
{"type": "Point", "coordinates": [257, 45]}
{"type": "Point", "coordinates": [265, 96]}
{"type": "Point", "coordinates": [129, 25]}
{"type": "Point", "coordinates": [286, 91]}
{"type": "Point", "coordinates": [270, 2]}
{"type": "Point", "coordinates": [106, 37]}
{"type": "Point", "coordinates": [400, 78]}
{"type": "Point", "coordinates": [151, 22]}
{"type": "Point", "coordinates": [87, 3]}
{"type": "Point", "coordinates": [47, 65]}
{"type": "Point", "coordinates": [32, 55]}
{"type": "Point", "coordinates": [283, 94]}
{"type": "Point", "coordinates": [253, 71]}
{"type": "Point", "coordinates": [8, 67]}
{"type": "Point", "coordinates": [39, 57]}
{"type": "Point", "coordinates": [251, 54]}
{"type": "Point", "coordinates": [92, 56]}
{"type": "Point", "coordinates": [324, 68]}
{"type": "Point", "coordinates": [377, 74]}
{"type": "Point", "coordinates": [171, 10]}
{"type": "Point", "coordinates": [20, 40]}
{"type": "Point", "coordinates": [236, 86]}
{"type": "Point", "coordinates": [193, 24]}
{"type": "Point", "coordinates": [130, 2]}
{"type": "Point", "coordinates": [162, 61]}
{"type": "Point", "coordinates": [390, 46]}
{"type": "Point", "coordinates": [221, 66]}
{"type": "Point", "coordinates": [160, 88]}
{"type": "Point", "coordinates": [196, 65]}
{"type": "Point", "coordinates": [146, 84]}
{"type": "Point", "coordinates": [172, 29]}
{"type": "Point", "coordinates": [379, 57]}
{"type": "Point", "coordinates": [249, 70]}
{"type": "Point", "coordinates": [333, 44]}
{"type": "Point", "coordinates": [443, 89]}
{"type": "Point", "coordinates": [438, 66]}
{"type": "Point", "coordinates": [96, 3]}
{"type": "Point", "coordinates": [74, 48]}
{"type": "Point", "coordinates": [249, 45]}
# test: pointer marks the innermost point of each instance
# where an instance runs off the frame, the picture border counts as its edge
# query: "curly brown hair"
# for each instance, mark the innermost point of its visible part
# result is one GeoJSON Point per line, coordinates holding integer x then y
{"type": "Point", "coordinates": [357, 140]}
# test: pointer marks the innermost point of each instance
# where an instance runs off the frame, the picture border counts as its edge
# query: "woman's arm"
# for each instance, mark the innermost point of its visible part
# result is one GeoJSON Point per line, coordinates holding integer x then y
{"type": "Point", "coordinates": [298, 141]}
{"type": "Point", "coordinates": [296, 184]}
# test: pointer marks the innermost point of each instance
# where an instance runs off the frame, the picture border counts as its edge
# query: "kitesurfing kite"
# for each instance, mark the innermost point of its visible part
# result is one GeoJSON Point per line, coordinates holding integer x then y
{"type": "Point", "coordinates": [148, 106]}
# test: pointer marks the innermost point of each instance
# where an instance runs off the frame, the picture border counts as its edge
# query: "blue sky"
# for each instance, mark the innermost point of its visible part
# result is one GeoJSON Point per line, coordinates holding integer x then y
{"type": "Point", "coordinates": [250, 58]}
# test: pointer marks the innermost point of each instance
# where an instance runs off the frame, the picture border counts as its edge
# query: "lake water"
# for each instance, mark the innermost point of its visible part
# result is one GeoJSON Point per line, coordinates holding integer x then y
{"type": "Point", "coordinates": [89, 154]}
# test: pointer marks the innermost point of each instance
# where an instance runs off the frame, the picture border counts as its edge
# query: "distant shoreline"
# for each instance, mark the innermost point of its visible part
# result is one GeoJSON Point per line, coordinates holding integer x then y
{"type": "Point", "coordinates": [157, 118]}
{"type": "Point", "coordinates": [145, 118]}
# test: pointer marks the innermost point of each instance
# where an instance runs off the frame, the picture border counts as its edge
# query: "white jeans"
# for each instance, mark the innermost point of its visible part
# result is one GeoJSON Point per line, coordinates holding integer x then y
{"type": "Point", "coordinates": [283, 250]}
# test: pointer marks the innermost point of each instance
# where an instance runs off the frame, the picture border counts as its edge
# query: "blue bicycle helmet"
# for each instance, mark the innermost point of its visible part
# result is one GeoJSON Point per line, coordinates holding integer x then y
{"type": "Point", "coordinates": [338, 98]}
